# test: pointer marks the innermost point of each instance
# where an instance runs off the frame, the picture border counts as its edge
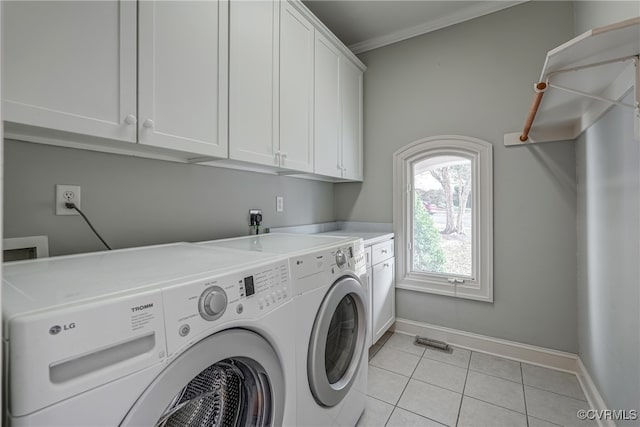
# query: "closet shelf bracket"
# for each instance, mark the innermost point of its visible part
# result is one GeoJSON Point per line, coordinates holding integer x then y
{"type": "Point", "coordinates": [580, 81]}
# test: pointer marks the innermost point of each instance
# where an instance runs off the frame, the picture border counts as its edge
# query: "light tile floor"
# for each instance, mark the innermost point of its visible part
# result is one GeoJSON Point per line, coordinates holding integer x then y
{"type": "Point", "coordinates": [413, 386]}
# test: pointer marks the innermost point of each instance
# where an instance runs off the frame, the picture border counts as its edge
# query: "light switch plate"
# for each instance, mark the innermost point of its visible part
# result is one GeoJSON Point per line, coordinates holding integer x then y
{"type": "Point", "coordinates": [279, 204]}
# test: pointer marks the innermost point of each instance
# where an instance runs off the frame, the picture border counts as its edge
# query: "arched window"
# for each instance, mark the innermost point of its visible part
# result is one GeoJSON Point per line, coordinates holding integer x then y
{"type": "Point", "coordinates": [443, 216]}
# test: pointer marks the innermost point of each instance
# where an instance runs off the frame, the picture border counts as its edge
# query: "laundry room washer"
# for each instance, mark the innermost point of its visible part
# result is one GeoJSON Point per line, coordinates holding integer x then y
{"type": "Point", "coordinates": [166, 335]}
{"type": "Point", "coordinates": [329, 278]}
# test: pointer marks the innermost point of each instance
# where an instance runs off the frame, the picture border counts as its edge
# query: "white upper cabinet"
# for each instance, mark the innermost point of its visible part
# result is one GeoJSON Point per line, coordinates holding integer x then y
{"type": "Point", "coordinates": [295, 99]}
{"type": "Point", "coordinates": [327, 108]}
{"type": "Point", "coordinates": [232, 83]}
{"type": "Point", "coordinates": [271, 85]}
{"type": "Point", "coordinates": [338, 113]}
{"type": "Point", "coordinates": [71, 66]}
{"type": "Point", "coordinates": [351, 100]}
{"type": "Point", "coordinates": [296, 90]}
{"type": "Point", "coordinates": [183, 77]}
{"type": "Point", "coordinates": [253, 82]}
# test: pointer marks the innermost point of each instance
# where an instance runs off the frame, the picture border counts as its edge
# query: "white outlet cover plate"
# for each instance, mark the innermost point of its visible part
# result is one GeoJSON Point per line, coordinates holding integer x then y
{"type": "Point", "coordinates": [279, 204]}
{"type": "Point", "coordinates": [60, 201]}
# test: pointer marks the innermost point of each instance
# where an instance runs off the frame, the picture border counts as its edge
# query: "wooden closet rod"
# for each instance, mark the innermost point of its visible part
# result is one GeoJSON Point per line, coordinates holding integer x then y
{"type": "Point", "coordinates": [537, 98]}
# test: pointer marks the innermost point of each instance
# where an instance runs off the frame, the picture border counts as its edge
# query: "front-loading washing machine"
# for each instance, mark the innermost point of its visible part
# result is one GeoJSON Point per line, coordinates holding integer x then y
{"type": "Point", "coordinates": [329, 277]}
{"type": "Point", "coordinates": [174, 335]}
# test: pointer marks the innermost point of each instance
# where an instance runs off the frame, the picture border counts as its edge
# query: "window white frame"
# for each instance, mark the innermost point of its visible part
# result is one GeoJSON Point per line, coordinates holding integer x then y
{"type": "Point", "coordinates": [480, 285]}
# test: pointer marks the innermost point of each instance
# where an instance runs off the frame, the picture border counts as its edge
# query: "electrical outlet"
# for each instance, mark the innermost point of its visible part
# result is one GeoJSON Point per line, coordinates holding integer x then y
{"type": "Point", "coordinates": [67, 194]}
{"type": "Point", "coordinates": [255, 214]}
{"type": "Point", "coordinates": [279, 204]}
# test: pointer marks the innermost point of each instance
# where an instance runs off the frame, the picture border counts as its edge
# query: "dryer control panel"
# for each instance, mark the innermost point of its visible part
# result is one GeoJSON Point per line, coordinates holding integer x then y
{"type": "Point", "coordinates": [199, 307]}
{"type": "Point", "coordinates": [314, 270]}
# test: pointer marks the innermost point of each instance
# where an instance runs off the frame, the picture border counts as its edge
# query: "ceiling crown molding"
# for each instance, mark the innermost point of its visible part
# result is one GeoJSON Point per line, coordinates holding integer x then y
{"type": "Point", "coordinates": [481, 9]}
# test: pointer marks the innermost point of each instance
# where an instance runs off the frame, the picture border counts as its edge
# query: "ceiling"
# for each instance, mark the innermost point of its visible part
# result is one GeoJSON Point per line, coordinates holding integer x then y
{"type": "Point", "coordinates": [368, 24]}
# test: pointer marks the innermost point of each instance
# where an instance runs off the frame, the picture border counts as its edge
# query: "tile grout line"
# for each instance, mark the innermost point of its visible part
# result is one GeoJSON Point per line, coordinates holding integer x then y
{"type": "Point", "coordinates": [400, 396]}
{"type": "Point", "coordinates": [388, 370]}
{"type": "Point", "coordinates": [444, 388]}
{"type": "Point", "coordinates": [495, 376]}
{"type": "Point", "coordinates": [446, 363]}
{"type": "Point", "coordinates": [556, 393]}
{"type": "Point", "coordinates": [463, 388]}
{"type": "Point", "coordinates": [403, 390]}
{"type": "Point", "coordinates": [528, 385]}
{"type": "Point", "coordinates": [522, 378]}
{"type": "Point", "coordinates": [405, 386]}
{"type": "Point", "coordinates": [546, 421]}
{"type": "Point", "coordinates": [524, 397]}
{"type": "Point", "coordinates": [447, 389]}
{"type": "Point", "coordinates": [493, 404]}
{"type": "Point", "coordinates": [419, 415]}
{"type": "Point", "coordinates": [390, 413]}
{"type": "Point", "coordinates": [405, 351]}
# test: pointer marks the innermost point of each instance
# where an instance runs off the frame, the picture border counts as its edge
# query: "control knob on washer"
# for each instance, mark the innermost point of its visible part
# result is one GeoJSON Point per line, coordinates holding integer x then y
{"type": "Point", "coordinates": [212, 303]}
{"type": "Point", "coordinates": [341, 259]}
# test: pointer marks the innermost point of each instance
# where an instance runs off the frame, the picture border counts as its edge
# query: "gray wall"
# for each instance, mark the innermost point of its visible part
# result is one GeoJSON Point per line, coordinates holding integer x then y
{"type": "Point", "coordinates": [134, 201]}
{"type": "Point", "coordinates": [608, 254]}
{"type": "Point", "coordinates": [476, 79]}
{"type": "Point", "coordinates": [608, 160]}
{"type": "Point", "coordinates": [593, 14]}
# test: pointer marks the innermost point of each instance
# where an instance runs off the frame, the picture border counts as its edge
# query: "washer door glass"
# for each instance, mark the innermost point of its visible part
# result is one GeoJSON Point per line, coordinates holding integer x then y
{"type": "Point", "coordinates": [336, 347]}
{"type": "Point", "coordinates": [228, 393]}
{"type": "Point", "coordinates": [231, 378]}
{"type": "Point", "coordinates": [341, 339]}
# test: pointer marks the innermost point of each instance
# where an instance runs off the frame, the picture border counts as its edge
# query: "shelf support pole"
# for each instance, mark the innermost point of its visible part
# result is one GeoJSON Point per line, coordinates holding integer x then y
{"type": "Point", "coordinates": [539, 89]}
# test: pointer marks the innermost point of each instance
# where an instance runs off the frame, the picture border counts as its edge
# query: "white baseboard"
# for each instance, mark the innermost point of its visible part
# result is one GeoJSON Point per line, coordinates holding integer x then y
{"type": "Point", "coordinates": [531, 354]}
{"type": "Point", "coordinates": [591, 392]}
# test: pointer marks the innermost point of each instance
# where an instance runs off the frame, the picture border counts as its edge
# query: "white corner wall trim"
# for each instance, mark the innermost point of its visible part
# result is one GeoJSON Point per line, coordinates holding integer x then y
{"type": "Point", "coordinates": [531, 354]}
{"type": "Point", "coordinates": [481, 9]}
{"type": "Point", "coordinates": [591, 392]}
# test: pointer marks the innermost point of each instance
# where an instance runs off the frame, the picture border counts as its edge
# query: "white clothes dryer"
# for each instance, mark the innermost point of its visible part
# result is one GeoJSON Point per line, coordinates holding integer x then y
{"type": "Point", "coordinates": [168, 335]}
{"type": "Point", "coordinates": [329, 280]}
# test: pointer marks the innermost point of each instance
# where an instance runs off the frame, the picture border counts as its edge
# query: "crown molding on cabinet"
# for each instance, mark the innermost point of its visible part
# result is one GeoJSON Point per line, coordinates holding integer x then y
{"type": "Point", "coordinates": [326, 32]}
{"type": "Point", "coordinates": [481, 9]}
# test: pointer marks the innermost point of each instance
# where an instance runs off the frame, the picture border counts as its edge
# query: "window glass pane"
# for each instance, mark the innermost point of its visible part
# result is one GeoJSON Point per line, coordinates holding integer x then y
{"type": "Point", "coordinates": [442, 216]}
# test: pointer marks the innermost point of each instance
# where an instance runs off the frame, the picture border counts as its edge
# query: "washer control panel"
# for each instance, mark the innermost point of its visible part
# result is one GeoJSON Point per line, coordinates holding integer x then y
{"type": "Point", "coordinates": [193, 308]}
{"type": "Point", "coordinates": [341, 257]}
{"type": "Point", "coordinates": [212, 303]}
{"type": "Point", "coordinates": [348, 257]}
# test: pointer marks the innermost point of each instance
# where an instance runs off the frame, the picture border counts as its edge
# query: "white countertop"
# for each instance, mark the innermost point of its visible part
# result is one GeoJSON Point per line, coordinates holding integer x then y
{"type": "Point", "coordinates": [370, 232]}
{"type": "Point", "coordinates": [369, 237]}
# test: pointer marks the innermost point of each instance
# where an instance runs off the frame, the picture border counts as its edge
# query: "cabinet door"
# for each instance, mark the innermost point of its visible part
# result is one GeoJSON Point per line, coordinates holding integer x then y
{"type": "Point", "coordinates": [327, 108]}
{"type": "Point", "coordinates": [253, 81]}
{"type": "Point", "coordinates": [296, 90]}
{"type": "Point", "coordinates": [351, 99]}
{"type": "Point", "coordinates": [384, 299]}
{"type": "Point", "coordinates": [71, 66]}
{"type": "Point", "coordinates": [183, 77]}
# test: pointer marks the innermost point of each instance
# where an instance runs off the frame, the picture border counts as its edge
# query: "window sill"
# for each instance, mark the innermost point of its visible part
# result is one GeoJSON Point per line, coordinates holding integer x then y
{"type": "Point", "coordinates": [454, 291]}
